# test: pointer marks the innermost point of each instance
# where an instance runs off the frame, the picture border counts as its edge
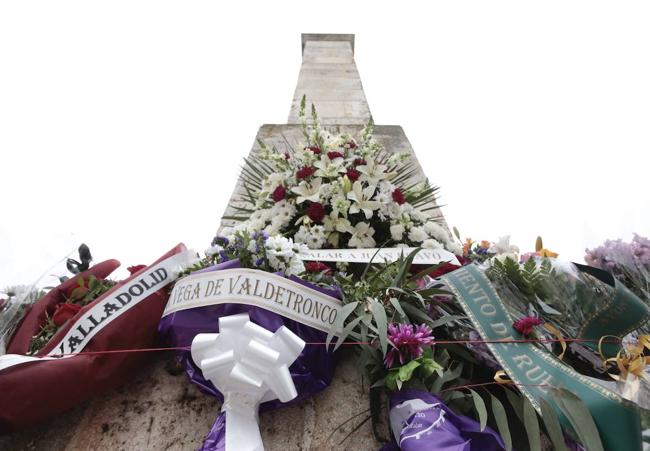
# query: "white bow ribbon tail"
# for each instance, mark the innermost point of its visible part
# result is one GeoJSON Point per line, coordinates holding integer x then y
{"type": "Point", "coordinates": [249, 365]}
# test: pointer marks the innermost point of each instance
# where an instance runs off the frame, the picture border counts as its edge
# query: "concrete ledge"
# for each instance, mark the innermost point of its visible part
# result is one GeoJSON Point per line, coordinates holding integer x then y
{"type": "Point", "coordinates": [327, 37]}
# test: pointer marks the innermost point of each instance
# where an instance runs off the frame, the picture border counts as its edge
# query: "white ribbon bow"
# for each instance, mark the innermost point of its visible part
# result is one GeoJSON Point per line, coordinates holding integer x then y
{"type": "Point", "coordinates": [249, 365]}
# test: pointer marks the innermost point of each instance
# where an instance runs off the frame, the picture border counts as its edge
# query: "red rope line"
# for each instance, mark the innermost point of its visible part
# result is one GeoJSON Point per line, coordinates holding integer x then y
{"type": "Point", "coordinates": [347, 343]}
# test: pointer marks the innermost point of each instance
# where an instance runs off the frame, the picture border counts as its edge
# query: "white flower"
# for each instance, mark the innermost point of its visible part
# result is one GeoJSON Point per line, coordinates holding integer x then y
{"type": "Point", "coordinates": [361, 197]}
{"type": "Point", "coordinates": [431, 244]}
{"type": "Point", "coordinates": [295, 267]}
{"type": "Point", "coordinates": [279, 246]}
{"type": "Point", "coordinates": [372, 172]}
{"type": "Point", "coordinates": [503, 246]}
{"type": "Point", "coordinates": [340, 204]}
{"type": "Point", "coordinates": [334, 223]}
{"type": "Point", "coordinates": [212, 250]}
{"type": "Point", "coordinates": [362, 236]}
{"type": "Point", "coordinates": [454, 247]}
{"type": "Point", "coordinates": [329, 168]}
{"type": "Point", "coordinates": [308, 191]}
{"type": "Point", "coordinates": [313, 237]}
{"type": "Point", "coordinates": [273, 181]}
{"type": "Point", "coordinates": [417, 234]}
{"type": "Point", "coordinates": [437, 231]}
{"type": "Point", "coordinates": [397, 232]}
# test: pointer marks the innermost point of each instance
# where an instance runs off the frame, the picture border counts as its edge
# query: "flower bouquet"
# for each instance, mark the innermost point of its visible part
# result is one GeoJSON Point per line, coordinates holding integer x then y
{"type": "Point", "coordinates": [63, 338]}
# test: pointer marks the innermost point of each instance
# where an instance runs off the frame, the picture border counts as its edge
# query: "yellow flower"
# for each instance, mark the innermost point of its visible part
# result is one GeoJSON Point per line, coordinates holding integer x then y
{"type": "Point", "coordinates": [467, 246]}
{"type": "Point", "coordinates": [485, 244]}
{"type": "Point", "coordinates": [547, 253]}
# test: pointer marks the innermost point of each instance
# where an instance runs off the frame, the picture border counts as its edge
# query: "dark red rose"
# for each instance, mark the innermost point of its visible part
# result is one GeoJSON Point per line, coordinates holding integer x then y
{"type": "Point", "coordinates": [332, 155]}
{"type": "Point", "coordinates": [353, 174]}
{"type": "Point", "coordinates": [64, 312]}
{"type": "Point", "coordinates": [351, 145]}
{"type": "Point", "coordinates": [135, 268]}
{"type": "Point", "coordinates": [462, 260]}
{"type": "Point", "coordinates": [360, 162]}
{"type": "Point", "coordinates": [287, 156]}
{"type": "Point", "coordinates": [398, 196]}
{"type": "Point", "coordinates": [77, 291]}
{"type": "Point", "coordinates": [316, 267]}
{"type": "Point", "coordinates": [526, 325]}
{"type": "Point", "coordinates": [305, 172]}
{"type": "Point", "coordinates": [314, 149]}
{"type": "Point", "coordinates": [316, 212]}
{"type": "Point", "coordinates": [279, 193]}
{"type": "Point", "coordinates": [443, 269]}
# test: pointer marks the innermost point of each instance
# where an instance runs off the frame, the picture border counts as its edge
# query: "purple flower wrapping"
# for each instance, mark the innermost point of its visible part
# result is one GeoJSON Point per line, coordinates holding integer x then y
{"type": "Point", "coordinates": [311, 372]}
{"type": "Point", "coordinates": [423, 422]}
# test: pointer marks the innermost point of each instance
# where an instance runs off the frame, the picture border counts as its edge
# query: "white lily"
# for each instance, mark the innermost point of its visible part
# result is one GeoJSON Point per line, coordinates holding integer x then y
{"type": "Point", "coordinates": [362, 236]}
{"type": "Point", "coordinates": [372, 172]}
{"type": "Point", "coordinates": [329, 168]}
{"type": "Point", "coordinates": [503, 246]}
{"type": "Point", "coordinates": [361, 197]}
{"type": "Point", "coordinates": [308, 190]}
{"type": "Point", "coordinates": [334, 223]}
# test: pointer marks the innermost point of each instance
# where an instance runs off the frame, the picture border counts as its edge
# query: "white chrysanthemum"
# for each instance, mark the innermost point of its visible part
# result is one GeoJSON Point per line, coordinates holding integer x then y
{"type": "Point", "coordinates": [279, 246]}
{"type": "Point", "coordinates": [454, 248]}
{"type": "Point", "coordinates": [417, 234]}
{"type": "Point", "coordinates": [340, 204]}
{"type": "Point", "coordinates": [295, 267]}
{"type": "Point", "coordinates": [397, 232]}
{"type": "Point", "coordinates": [362, 236]}
{"type": "Point", "coordinates": [431, 244]}
{"type": "Point", "coordinates": [273, 181]}
{"type": "Point", "coordinates": [312, 236]}
{"type": "Point", "coordinates": [437, 231]}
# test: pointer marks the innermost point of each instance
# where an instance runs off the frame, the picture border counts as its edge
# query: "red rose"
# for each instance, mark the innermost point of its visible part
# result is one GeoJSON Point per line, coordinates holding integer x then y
{"type": "Point", "coordinates": [316, 212]}
{"type": "Point", "coordinates": [316, 267]}
{"type": "Point", "coordinates": [526, 325]}
{"type": "Point", "coordinates": [64, 312]}
{"type": "Point", "coordinates": [398, 196]}
{"type": "Point", "coordinates": [353, 174]}
{"type": "Point", "coordinates": [133, 269]}
{"type": "Point", "coordinates": [360, 162]}
{"type": "Point", "coordinates": [305, 172]}
{"type": "Point", "coordinates": [352, 145]}
{"type": "Point", "coordinates": [77, 291]}
{"type": "Point", "coordinates": [443, 269]}
{"type": "Point", "coordinates": [333, 155]}
{"type": "Point", "coordinates": [287, 156]}
{"type": "Point", "coordinates": [279, 193]}
{"type": "Point", "coordinates": [316, 150]}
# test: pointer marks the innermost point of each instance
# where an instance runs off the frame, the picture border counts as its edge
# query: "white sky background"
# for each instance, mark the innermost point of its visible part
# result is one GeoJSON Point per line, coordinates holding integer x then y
{"type": "Point", "coordinates": [123, 124]}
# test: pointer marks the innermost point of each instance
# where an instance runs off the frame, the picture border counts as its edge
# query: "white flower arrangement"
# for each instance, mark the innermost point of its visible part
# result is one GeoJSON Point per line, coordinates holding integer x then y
{"type": "Point", "coordinates": [335, 191]}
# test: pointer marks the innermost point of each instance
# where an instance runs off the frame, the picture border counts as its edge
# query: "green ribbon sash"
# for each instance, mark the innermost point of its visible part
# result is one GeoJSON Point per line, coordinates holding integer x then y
{"type": "Point", "coordinates": [615, 316]}
{"type": "Point", "coordinates": [535, 370]}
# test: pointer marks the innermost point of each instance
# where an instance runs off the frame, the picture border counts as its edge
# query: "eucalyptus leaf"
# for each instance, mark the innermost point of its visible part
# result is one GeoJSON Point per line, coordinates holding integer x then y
{"type": "Point", "coordinates": [480, 408]}
{"type": "Point", "coordinates": [379, 314]}
{"type": "Point", "coordinates": [580, 418]}
{"type": "Point", "coordinates": [501, 419]}
{"type": "Point", "coordinates": [552, 425]}
{"type": "Point", "coordinates": [532, 426]}
{"type": "Point", "coordinates": [345, 311]}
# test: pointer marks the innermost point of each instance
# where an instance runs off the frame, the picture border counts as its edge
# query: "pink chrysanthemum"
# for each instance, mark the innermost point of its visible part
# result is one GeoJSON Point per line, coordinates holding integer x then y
{"type": "Point", "coordinates": [407, 341]}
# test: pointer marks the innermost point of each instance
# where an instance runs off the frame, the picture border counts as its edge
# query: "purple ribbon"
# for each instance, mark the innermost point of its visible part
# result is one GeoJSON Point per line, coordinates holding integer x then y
{"type": "Point", "coordinates": [423, 422]}
{"type": "Point", "coordinates": [311, 372]}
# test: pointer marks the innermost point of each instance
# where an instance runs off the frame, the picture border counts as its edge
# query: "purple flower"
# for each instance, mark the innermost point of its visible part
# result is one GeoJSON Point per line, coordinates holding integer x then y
{"type": "Point", "coordinates": [407, 341]}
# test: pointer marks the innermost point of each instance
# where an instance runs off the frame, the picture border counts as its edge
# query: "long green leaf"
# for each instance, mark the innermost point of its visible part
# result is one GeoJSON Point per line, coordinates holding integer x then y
{"type": "Point", "coordinates": [502, 421]}
{"type": "Point", "coordinates": [345, 311]}
{"type": "Point", "coordinates": [480, 408]}
{"type": "Point", "coordinates": [552, 424]}
{"type": "Point", "coordinates": [532, 426]}
{"type": "Point", "coordinates": [379, 314]}
{"type": "Point", "coordinates": [580, 418]}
